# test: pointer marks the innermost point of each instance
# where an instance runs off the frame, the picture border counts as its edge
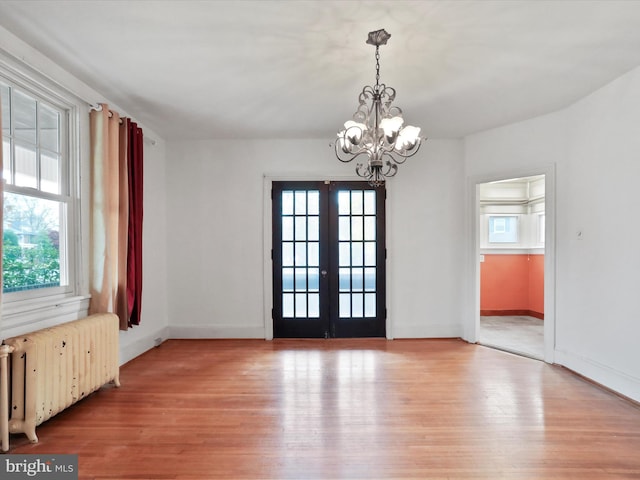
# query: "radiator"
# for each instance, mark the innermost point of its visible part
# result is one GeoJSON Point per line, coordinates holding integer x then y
{"type": "Point", "coordinates": [53, 368]}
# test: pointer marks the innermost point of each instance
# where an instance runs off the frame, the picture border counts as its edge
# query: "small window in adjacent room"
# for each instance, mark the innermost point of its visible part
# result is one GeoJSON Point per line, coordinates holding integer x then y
{"type": "Point", "coordinates": [503, 229]}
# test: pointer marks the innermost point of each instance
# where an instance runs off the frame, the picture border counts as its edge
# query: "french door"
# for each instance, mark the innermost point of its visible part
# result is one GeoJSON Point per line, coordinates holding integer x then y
{"type": "Point", "coordinates": [328, 260]}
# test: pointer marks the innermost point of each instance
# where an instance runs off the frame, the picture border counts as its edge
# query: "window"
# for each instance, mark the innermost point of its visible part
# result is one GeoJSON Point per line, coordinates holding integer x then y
{"type": "Point", "coordinates": [503, 229]}
{"type": "Point", "coordinates": [38, 205]}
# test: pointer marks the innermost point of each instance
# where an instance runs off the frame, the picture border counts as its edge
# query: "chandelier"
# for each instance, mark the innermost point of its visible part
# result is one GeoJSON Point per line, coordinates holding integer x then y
{"type": "Point", "coordinates": [377, 130]}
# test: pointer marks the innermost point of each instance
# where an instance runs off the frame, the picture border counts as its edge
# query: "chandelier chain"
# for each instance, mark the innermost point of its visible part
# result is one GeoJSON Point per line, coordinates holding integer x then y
{"type": "Point", "coordinates": [377, 65]}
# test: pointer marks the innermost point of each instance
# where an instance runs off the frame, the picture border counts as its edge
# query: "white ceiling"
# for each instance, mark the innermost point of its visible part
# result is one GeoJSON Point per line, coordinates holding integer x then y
{"type": "Point", "coordinates": [293, 69]}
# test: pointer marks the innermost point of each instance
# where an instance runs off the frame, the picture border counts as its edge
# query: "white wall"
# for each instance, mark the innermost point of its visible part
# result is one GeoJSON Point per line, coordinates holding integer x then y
{"type": "Point", "coordinates": [426, 240]}
{"type": "Point", "coordinates": [219, 213]}
{"type": "Point", "coordinates": [154, 312]}
{"type": "Point", "coordinates": [595, 147]}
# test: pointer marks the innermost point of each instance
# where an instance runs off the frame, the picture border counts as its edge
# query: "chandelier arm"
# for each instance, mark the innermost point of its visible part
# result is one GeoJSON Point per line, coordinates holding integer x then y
{"type": "Point", "coordinates": [348, 157]}
{"type": "Point", "coordinates": [391, 170]}
{"type": "Point", "coordinates": [412, 152]}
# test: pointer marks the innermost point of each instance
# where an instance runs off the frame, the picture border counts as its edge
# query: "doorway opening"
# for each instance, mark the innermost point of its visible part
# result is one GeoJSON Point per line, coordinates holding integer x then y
{"type": "Point", "coordinates": [512, 235]}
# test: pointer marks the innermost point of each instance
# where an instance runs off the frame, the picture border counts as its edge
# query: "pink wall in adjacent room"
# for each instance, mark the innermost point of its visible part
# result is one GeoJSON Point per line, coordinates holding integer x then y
{"type": "Point", "coordinates": [536, 283]}
{"type": "Point", "coordinates": [512, 283]}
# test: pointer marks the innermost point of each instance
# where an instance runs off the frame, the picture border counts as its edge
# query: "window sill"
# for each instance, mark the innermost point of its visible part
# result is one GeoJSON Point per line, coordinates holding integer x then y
{"type": "Point", "coordinates": [29, 315]}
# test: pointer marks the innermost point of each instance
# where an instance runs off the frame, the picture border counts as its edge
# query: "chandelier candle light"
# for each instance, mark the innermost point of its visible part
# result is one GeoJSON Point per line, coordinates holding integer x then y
{"type": "Point", "coordinates": [377, 129]}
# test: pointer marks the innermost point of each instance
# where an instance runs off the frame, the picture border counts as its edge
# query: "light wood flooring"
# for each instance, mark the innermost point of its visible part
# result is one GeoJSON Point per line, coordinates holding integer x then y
{"type": "Point", "coordinates": [344, 409]}
{"type": "Point", "coordinates": [514, 333]}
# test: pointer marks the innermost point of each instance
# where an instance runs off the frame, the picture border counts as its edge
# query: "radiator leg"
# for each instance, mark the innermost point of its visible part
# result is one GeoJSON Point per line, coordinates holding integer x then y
{"type": "Point", "coordinates": [30, 432]}
{"type": "Point", "coordinates": [5, 350]}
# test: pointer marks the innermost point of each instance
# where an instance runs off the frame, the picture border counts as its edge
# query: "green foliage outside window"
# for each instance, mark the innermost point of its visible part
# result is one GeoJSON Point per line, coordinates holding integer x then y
{"type": "Point", "coordinates": [30, 267]}
{"type": "Point", "coordinates": [31, 250]}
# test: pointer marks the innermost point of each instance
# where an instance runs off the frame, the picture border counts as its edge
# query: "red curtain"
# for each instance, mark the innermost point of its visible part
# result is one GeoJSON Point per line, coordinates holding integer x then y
{"type": "Point", "coordinates": [134, 257]}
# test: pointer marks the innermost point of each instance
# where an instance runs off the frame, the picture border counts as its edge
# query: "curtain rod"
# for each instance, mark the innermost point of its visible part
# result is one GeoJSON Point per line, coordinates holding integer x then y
{"type": "Point", "coordinates": [98, 108]}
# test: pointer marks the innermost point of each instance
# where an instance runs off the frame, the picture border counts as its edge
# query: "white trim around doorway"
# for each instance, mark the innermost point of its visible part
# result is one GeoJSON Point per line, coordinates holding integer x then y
{"type": "Point", "coordinates": [471, 325]}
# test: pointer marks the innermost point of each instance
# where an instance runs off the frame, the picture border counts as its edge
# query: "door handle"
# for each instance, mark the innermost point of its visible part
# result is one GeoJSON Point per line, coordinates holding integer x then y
{"type": "Point", "coordinates": [323, 273]}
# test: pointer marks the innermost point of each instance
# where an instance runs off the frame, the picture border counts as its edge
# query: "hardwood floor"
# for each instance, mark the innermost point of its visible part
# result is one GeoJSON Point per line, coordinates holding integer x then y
{"type": "Point", "coordinates": [344, 409]}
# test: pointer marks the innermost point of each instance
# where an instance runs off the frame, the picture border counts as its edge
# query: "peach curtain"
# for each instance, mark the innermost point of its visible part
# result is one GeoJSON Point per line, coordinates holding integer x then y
{"type": "Point", "coordinates": [109, 214]}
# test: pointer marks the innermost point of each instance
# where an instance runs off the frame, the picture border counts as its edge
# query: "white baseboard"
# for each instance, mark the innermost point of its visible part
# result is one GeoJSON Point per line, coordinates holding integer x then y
{"type": "Point", "coordinates": [218, 331]}
{"type": "Point", "coordinates": [438, 330]}
{"type": "Point", "coordinates": [131, 349]}
{"type": "Point", "coordinates": [608, 377]}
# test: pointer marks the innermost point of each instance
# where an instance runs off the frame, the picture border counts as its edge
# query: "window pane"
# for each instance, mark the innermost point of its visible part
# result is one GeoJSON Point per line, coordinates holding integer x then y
{"type": "Point", "coordinates": [314, 280]}
{"type": "Point", "coordinates": [369, 228]}
{"type": "Point", "coordinates": [287, 203]}
{"type": "Point", "coordinates": [24, 117]}
{"type": "Point", "coordinates": [344, 228]}
{"type": "Point", "coordinates": [301, 279]}
{"type": "Point", "coordinates": [357, 305]}
{"type": "Point", "coordinates": [356, 254]}
{"type": "Point", "coordinates": [287, 228]}
{"type": "Point", "coordinates": [344, 207]}
{"type": "Point", "coordinates": [301, 203]}
{"type": "Point", "coordinates": [356, 202]}
{"type": "Point", "coordinates": [357, 276]}
{"type": "Point", "coordinates": [25, 162]}
{"type": "Point", "coordinates": [370, 279]}
{"type": "Point", "coordinates": [370, 305]}
{"type": "Point", "coordinates": [301, 305]}
{"type": "Point", "coordinates": [287, 254]}
{"type": "Point", "coordinates": [314, 305]}
{"type": "Point", "coordinates": [370, 253]}
{"type": "Point", "coordinates": [344, 279]}
{"type": "Point", "coordinates": [369, 202]}
{"type": "Point", "coordinates": [287, 305]}
{"type": "Point", "coordinates": [301, 228]}
{"type": "Point", "coordinates": [287, 279]}
{"type": "Point", "coordinates": [313, 259]}
{"type": "Point", "coordinates": [503, 229]}
{"type": "Point", "coordinates": [49, 129]}
{"type": "Point", "coordinates": [314, 228]}
{"type": "Point", "coordinates": [356, 228]}
{"type": "Point", "coordinates": [345, 305]}
{"type": "Point", "coordinates": [301, 254]}
{"type": "Point", "coordinates": [344, 255]}
{"type": "Point", "coordinates": [32, 245]}
{"type": "Point", "coordinates": [314, 203]}
{"type": "Point", "coordinates": [50, 173]}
